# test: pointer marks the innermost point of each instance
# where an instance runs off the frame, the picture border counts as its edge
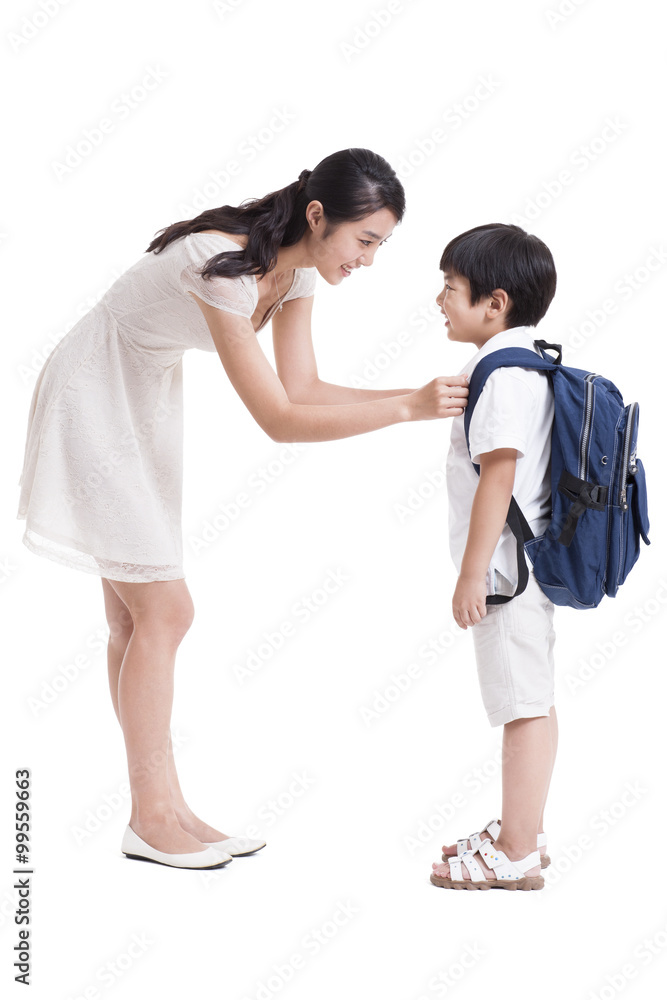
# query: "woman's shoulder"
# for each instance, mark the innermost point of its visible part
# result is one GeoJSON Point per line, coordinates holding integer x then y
{"type": "Point", "coordinates": [202, 246]}
{"type": "Point", "coordinates": [237, 240]}
{"type": "Point", "coordinates": [304, 282]}
{"type": "Point", "coordinates": [234, 294]}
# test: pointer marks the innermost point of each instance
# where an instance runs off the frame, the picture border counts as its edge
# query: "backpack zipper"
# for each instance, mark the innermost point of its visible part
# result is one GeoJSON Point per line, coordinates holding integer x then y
{"type": "Point", "coordinates": [629, 461]}
{"type": "Point", "coordinates": [585, 442]}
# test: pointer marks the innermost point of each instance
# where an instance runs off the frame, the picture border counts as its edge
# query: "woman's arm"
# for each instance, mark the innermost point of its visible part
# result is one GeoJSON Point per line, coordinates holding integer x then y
{"type": "Point", "coordinates": [264, 395]}
{"type": "Point", "coordinates": [297, 367]}
{"type": "Point", "coordinates": [497, 470]}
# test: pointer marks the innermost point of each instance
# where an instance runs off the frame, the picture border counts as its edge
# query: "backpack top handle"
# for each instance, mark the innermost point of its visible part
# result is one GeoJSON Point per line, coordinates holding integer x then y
{"type": "Point", "coordinates": [558, 348]}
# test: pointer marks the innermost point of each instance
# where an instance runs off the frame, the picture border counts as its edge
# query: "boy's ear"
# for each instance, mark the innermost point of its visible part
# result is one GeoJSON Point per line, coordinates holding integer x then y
{"type": "Point", "coordinates": [499, 303]}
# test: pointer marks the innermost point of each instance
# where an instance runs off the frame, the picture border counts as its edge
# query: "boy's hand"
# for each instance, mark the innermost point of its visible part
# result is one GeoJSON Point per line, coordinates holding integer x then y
{"type": "Point", "coordinates": [469, 601]}
{"type": "Point", "coordinates": [497, 470]}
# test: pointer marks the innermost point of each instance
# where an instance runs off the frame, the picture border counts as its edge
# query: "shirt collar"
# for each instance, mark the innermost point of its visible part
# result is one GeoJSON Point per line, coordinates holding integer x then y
{"type": "Point", "coordinates": [517, 336]}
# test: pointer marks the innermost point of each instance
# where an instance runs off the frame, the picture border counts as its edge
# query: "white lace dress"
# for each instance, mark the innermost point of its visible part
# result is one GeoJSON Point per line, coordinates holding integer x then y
{"type": "Point", "coordinates": [102, 475]}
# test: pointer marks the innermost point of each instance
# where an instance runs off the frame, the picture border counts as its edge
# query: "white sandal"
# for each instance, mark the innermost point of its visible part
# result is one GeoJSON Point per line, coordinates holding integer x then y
{"type": "Point", "coordinates": [508, 874]}
{"type": "Point", "coordinates": [473, 842]}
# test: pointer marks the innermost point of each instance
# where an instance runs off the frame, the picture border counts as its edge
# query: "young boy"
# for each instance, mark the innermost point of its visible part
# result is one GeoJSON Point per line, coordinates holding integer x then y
{"type": "Point", "coordinates": [499, 282]}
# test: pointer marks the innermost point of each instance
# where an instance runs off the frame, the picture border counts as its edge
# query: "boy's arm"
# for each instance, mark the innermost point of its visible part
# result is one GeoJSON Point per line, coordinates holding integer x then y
{"type": "Point", "coordinates": [487, 519]}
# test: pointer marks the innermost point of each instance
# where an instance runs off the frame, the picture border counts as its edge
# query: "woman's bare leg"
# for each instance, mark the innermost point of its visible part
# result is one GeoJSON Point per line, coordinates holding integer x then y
{"type": "Point", "coordinates": [141, 660]}
{"type": "Point", "coordinates": [121, 627]}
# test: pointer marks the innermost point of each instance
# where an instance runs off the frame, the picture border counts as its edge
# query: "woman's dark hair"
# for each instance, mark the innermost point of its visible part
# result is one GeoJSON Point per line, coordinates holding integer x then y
{"type": "Point", "coordinates": [350, 184]}
{"type": "Point", "coordinates": [504, 256]}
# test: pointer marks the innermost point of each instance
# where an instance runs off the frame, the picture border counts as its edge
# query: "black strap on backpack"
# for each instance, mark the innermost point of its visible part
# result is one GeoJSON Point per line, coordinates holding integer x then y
{"type": "Point", "coordinates": [522, 531]}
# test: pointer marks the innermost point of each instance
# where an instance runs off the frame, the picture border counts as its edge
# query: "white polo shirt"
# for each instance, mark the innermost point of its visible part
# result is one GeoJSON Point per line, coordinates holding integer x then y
{"type": "Point", "coordinates": [514, 410]}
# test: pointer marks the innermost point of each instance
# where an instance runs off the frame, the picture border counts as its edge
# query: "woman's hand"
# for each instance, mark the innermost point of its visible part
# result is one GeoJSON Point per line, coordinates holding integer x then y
{"type": "Point", "coordinates": [264, 395]}
{"type": "Point", "coordinates": [445, 396]}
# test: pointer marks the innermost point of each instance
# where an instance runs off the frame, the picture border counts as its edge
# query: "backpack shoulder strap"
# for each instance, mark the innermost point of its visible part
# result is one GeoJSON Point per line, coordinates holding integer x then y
{"type": "Point", "coordinates": [510, 357]}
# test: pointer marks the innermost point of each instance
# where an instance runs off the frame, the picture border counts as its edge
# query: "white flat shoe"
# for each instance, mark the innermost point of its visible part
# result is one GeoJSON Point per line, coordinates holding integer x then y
{"type": "Point", "coordinates": [238, 847]}
{"type": "Point", "coordinates": [134, 847]}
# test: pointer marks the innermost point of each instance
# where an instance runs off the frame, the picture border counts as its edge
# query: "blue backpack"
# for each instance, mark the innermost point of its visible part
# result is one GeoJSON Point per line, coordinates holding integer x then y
{"type": "Point", "coordinates": [599, 511]}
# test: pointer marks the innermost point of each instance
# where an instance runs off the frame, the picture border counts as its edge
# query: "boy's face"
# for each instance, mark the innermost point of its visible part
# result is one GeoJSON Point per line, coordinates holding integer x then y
{"type": "Point", "coordinates": [468, 324]}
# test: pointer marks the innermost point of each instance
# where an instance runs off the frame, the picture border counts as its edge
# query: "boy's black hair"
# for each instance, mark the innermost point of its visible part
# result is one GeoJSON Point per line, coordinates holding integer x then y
{"type": "Point", "coordinates": [504, 256]}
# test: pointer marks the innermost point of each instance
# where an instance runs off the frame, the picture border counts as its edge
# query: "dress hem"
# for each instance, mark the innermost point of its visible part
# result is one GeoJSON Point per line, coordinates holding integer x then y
{"type": "Point", "coordinates": [40, 546]}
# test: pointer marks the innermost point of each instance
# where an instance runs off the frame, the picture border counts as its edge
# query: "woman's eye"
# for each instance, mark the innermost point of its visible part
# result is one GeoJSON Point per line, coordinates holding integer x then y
{"type": "Point", "coordinates": [366, 243]}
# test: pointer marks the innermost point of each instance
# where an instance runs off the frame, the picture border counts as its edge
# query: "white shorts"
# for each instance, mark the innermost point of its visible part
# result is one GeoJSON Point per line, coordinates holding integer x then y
{"type": "Point", "coordinates": [514, 652]}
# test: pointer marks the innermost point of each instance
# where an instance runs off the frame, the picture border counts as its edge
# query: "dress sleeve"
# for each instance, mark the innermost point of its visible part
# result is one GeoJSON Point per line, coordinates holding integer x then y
{"type": "Point", "coordinates": [304, 284]}
{"type": "Point", "coordinates": [232, 295]}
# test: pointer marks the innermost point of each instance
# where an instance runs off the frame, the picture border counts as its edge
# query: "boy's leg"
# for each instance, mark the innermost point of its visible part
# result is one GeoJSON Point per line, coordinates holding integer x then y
{"type": "Point", "coordinates": [514, 650]}
{"type": "Point", "coordinates": [553, 728]}
{"type": "Point", "coordinates": [514, 653]}
{"type": "Point", "coordinates": [527, 766]}
{"type": "Point", "coordinates": [529, 747]}
{"type": "Point", "coordinates": [508, 748]}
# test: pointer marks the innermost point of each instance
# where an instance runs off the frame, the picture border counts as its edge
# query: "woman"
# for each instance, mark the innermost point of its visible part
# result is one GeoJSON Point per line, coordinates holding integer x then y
{"type": "Point", "coordinates": [101, 482]}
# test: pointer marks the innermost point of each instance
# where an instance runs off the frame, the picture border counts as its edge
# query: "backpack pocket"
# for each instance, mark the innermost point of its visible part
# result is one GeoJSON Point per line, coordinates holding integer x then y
{"type": "Point", "coordinates": [629, 526]}
{"type": "Point", "coordinates": [629, 522]}
{"type": "Point", "coordinates": [568, 559]}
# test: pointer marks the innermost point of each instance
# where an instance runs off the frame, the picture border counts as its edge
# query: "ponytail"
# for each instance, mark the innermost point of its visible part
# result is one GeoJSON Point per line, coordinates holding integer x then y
{"type": "Point", "coordinates": [349, 184]}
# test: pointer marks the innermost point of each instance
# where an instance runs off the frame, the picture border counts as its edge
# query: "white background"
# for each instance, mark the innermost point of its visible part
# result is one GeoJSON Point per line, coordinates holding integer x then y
{"type": "Point", "coordinates": [553, 84]}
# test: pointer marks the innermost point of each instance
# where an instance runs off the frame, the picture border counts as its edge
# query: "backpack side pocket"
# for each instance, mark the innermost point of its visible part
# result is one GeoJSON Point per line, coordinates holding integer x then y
{"type": "Point", "coordinates": [630, 525]}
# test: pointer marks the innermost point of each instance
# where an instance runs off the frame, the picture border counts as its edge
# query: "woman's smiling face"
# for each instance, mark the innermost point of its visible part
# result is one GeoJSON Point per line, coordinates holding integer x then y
{"type": "Point", "coordinates": [350, 245]}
